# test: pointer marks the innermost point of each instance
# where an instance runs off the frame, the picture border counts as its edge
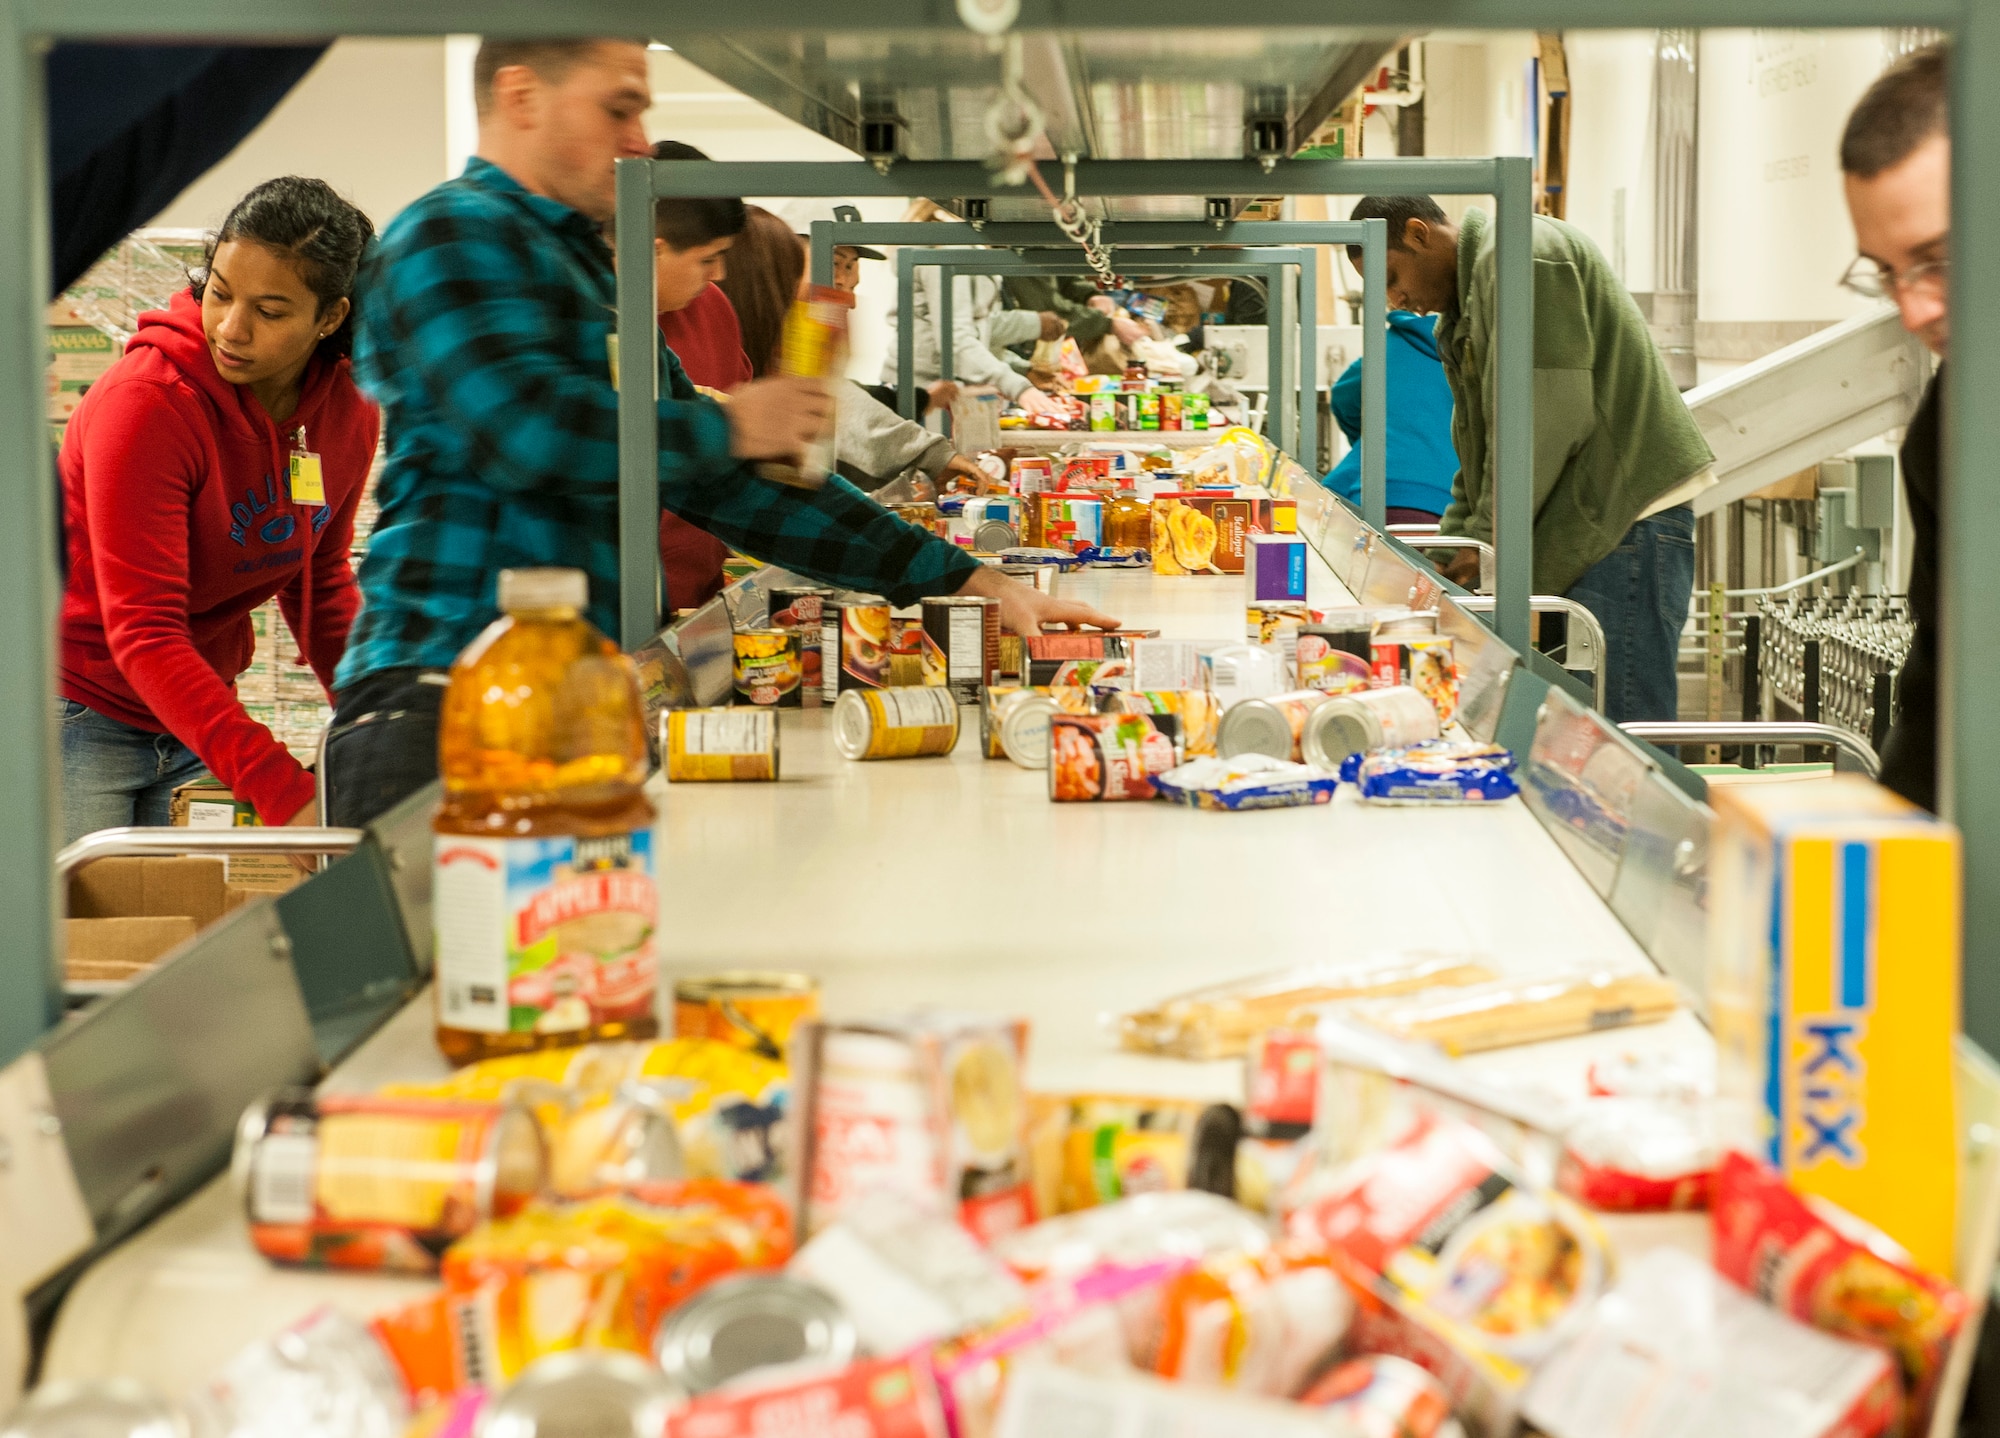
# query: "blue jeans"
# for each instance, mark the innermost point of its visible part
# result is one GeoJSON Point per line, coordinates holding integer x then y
{"type": "Point", "coordinates": [1639, 593]}
{"type": "Point", "coordinates": [114, 775]}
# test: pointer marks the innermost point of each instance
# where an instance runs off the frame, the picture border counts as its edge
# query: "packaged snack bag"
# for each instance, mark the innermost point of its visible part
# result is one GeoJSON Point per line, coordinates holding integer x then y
{"type": "Point", "coordinates": [1825, 1267]}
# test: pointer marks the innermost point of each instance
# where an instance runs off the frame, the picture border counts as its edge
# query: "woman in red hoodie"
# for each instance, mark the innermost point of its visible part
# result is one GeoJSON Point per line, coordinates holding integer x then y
{"type": "Point", "coordinates": [218, 463]}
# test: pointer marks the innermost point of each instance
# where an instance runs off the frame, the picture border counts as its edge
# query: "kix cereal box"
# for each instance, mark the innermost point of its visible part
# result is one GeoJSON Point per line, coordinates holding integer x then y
{"type": "Point", "coordinates": [1833, 994]}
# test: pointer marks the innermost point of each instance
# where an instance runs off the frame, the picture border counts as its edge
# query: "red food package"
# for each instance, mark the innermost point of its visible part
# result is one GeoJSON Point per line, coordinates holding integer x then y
{"type": "Point", "coordinates": [1825, 1267]}
{"type": "Point", "coordinates": [887, 1398]}
{"type": "Point", "coordinates": [1639, 1155]}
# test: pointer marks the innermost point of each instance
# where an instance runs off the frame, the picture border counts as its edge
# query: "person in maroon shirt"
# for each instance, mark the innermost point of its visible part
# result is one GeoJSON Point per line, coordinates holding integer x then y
{"type": "Point", "coordinates": [220, 461]}
{"type": "Point", "coordinates": [691, 237]}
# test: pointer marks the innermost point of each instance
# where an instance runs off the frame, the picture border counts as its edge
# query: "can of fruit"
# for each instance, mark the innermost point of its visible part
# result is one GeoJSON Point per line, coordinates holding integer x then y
{"type": "Point", "coordinates": [895, 723]}
{"type": "Point", "coordinates": [1326, 661]}
{"type": "Point", "coordinates": [1433, 673]}
{"type": "Point", "coordinates": [706, 744]}
{"type": "Point", "coordinates": [961, 644]}
{"type": "Point", "coordinates": [369, 1182]}
{"type": "Point", "coordinates": [1364, 720]}
{"type": "Point", "coordinates": [853, 644]}
{"type": "Point", "coordinates": [767, 667]}
{"type": "Point", "coordinates": [1272, 726]}
{"type": "Point", "coordinates": [751, 1009]}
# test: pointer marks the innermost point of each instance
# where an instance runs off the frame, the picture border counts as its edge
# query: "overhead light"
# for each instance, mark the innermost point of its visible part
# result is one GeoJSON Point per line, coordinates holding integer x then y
{"type": "Point", "coordinates": [656, 45]}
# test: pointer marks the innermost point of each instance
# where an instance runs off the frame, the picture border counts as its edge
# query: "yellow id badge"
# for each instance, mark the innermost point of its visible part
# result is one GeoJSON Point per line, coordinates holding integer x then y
{"type": "Point", "coordinates": [307, 485]}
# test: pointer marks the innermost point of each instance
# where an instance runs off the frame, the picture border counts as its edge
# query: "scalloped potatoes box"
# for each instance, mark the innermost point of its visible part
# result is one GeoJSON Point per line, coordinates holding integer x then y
{"type": "Point", "coordinates": [1834, 997]}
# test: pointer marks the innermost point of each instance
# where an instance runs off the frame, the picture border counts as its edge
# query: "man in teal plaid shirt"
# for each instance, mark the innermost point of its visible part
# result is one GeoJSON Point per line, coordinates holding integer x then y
{"type": "Point", "coordinates": [485, 318]}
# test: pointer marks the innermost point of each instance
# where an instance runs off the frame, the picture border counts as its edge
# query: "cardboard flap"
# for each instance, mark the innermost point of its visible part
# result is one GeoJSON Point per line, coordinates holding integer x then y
{"type": "Point", "coordinates": [119, 948]}
{"type": "Point", "coordinates": [152, 888]}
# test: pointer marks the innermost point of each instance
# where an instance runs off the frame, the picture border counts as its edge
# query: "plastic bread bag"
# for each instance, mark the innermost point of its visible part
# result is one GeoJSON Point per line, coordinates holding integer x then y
{"type": "Point", "coordinates": [1220, 1020]}
{"type": "Point", "coordinates": [1639, 1155]}
{"type": "Point", "coordinates": [1437, 771]}
{"type": "Point", "coordinates": [1507, 1012]}
{"type": "Point", "coordinates": [1676, 1351]}
{"type": "Point", "coordinates": [1248, 781]}
{"type": "Point", "coordinates": [1823, 1266]}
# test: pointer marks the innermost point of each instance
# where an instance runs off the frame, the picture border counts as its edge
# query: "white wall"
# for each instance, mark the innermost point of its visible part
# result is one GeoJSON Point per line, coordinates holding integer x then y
{"type": "Point", "coordinates": [1775, 237]}
{"type": "Point", "coordinates": [369, 119]}
{"type": "Point", "coordinates": [1611, 146]}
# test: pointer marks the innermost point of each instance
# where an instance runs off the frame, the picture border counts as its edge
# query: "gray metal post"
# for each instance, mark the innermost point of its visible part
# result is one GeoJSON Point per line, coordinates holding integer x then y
{"type": "Point", "coordinates": [638, 411]}
{"type": "Point", "coordinates": [1277, 335]}
{"type": "Point", "coordinates": [1374, 376]}
{"type": "Point", "coordinates": [1308, 451]}
{"type": "Point", "coordinates": [30, 773]}
{"type": "Point", "coordinates": [1514, 405]}
{"type": "Point", "coordinates": [906, 338]}
{"type": "Point", "coordinates": [822, 252]}
{"type": "Point", "coordinates": [1969, 536]}
{"type": "Point", "coordinates": [945, 318]}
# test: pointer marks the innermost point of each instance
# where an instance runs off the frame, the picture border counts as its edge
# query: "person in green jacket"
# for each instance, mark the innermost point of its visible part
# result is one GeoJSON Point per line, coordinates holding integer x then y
{"type": "Point", "coordinates": [1617, 455]}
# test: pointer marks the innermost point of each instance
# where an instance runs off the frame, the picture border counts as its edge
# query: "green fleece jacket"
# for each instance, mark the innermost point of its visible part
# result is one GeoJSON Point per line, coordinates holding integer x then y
{"type": "Point", "coordinates": [1612, 434]}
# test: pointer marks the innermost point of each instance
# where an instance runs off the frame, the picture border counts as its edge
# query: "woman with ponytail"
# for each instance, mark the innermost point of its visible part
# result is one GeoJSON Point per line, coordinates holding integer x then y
{"type": "Point", "coordinates": [218, 463]}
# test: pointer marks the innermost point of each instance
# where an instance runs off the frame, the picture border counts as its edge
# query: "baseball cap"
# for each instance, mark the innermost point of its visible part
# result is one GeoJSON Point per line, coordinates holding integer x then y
{"type": "Point", "coordinates": [800, 215]}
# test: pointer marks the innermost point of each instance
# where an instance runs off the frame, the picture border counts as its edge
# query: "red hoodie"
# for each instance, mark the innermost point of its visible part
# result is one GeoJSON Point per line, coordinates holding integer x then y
{"type": "Point", "coordinates": [707, 339]}
{"type": "Point", "coordinates": [177, 503]}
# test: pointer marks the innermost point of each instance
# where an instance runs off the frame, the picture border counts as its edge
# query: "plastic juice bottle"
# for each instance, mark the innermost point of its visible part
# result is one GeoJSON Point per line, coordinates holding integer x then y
{"type": "Point", "coordinates": [543, 896]}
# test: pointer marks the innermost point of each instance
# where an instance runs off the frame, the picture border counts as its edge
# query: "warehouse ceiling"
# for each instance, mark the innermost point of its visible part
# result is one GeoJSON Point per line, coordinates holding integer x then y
{"type": "Point", "coordinates": [1167, 95]}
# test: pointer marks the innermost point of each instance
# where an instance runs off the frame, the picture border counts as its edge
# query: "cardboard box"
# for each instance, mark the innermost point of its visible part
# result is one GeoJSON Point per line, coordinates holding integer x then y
{"type": "Point", "coordinates": [207, 804]}
{"type": "Point", "coordinates": [124, 914]}
{"type": "Point", "coordinates": [1833, 993]}
{"type": "Point", "coordinates": [1180, 542]}
{"type": "Point", "coordinates": [1276, 567]}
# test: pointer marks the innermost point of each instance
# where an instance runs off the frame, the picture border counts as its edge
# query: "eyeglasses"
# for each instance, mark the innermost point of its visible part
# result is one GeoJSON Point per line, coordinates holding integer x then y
{"type": "Point", "coordinates": [1873, 281]}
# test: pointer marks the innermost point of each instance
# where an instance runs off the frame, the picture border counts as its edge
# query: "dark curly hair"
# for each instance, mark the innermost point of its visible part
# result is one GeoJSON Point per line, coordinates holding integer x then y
{"type": "Point", "coordinates": [306, 221]}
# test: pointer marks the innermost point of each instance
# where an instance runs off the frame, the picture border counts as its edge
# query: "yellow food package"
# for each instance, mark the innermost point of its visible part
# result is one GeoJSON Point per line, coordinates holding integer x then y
{"type": "Point", "coordinates": [1834, 997]}
{"type": "Point", "coordinates": [1087, 1149]}
{"type": "Point", "coordinates": [727, 1104]}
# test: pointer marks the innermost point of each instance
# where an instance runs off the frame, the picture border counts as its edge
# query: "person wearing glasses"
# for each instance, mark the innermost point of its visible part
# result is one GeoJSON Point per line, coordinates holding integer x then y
{"type": "Point", "coordinates": [1895, 156]}
{"type": "Point", "coordinates": [1618, 458]}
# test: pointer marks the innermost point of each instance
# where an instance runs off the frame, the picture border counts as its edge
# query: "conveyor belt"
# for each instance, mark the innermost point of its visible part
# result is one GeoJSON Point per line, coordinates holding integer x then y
{"type": "Point", "coordinates": [955, 882]}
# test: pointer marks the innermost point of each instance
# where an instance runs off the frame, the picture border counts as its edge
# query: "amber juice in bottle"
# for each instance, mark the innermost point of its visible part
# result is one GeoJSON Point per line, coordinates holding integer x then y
{"type": "Point", "coordinates": [543, 894]}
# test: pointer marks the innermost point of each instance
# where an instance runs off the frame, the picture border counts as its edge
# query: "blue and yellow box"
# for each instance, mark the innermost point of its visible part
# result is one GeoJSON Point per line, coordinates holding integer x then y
{"type": "Point", "coordinates": [1834, 998]}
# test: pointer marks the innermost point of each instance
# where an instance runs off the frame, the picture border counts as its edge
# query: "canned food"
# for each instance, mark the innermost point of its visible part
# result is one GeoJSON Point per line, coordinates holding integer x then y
{"type": "Point", "coordinates": [751, 1009]}
{"type": "Point", "coordinates": [1194, 411]}
{"type": "Point", "coordinates": [1271, 726]}
{"type": "Point", "coordinates": [1389, 652]}
{"type": "Point", "coordinates": [767, 667]}
{"type": "Point", "coordinates": [704, 744]}
{"type": "Point", "coordinates": [1433, 674]}
{"type": "Point", "coordinates": [922, 514]}
{"type": "Point", "coordinates": [933, 1107]}
{"type": "Point", "coordinates": [1326, 663]}
{"type": "Point", "coordinates": [990, 699]}
{"type": "Point", "coordinates": [597, 1391]}
{"type": "Point", "coordinates": [1021, 727]}
{"type": "Point", "coordinates": [1365, 720]}
{"type": "Point", "coordinates": [364, 1181]}
{"type": "Point", "coordinates": [756, 1321]}
{"type": "Point", "coordinates": [853, 644]}
{"type": "Point", "coordinates": [1170, 409]}
{"type": "Point", "coordinates": [1033, 473]}
{"type": "Point", "coordinates": [1148, 410]}
{"type": "Point", "coordinates": [1104, 411]}
{"type": "Point", "coordinates": [994, 535]}
{"type": "Point", "coordinates": [1196, 708]}
{"type": "Point", "coordinates": [961, 644]}
{"type": "Point", "coordinates": [1094, 757]}
{"type": "Point", "coordinates": [799, 610]}
{"type": "Point", "coordinates": [895, 723]}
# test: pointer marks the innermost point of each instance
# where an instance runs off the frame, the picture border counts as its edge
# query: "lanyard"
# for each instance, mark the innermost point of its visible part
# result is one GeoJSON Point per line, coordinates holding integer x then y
{"type": "Point", "coordinates": [308, 486]}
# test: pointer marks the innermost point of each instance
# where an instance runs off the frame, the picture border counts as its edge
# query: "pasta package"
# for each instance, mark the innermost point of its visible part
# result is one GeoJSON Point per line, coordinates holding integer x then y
{"type": "Point", "coordinates": [1506, 1012]}
{"type": "Point", "coordinates": [1219, 1021]}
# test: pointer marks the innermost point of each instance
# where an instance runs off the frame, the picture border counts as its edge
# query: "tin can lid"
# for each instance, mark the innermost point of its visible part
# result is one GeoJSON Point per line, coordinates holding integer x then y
{"type": "Point", "coordinates": [598, 1392]}
{"type": "Point", "coordinates": [1024, 729]}
{"type": "Point", "coordinates": [755, 1321]}
{"type": "Point", "coordinates": [1254, 726]}
{"type": "Point", "coordinates": [1336, 729]}
{"type": "Point", "coordinates": [853, 724]}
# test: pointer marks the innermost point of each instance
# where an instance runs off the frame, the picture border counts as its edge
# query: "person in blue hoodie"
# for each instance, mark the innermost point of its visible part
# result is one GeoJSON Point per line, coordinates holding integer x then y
{"type": "Point", "coordinates": [1421, 459]}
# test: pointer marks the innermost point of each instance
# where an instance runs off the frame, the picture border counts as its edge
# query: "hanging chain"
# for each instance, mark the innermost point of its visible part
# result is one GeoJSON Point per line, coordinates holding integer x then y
{"type": "Point", "coordinates": [1014, 125]}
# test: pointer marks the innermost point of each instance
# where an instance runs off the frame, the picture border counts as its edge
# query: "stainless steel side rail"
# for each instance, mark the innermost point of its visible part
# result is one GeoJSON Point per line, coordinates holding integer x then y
{"type": "Point", "coordinates": [1404, 531]}
{"type": "Point", "coordinates": [1427, 541]}
{"type": "Point", "coordinates": [1723, 732]}
{"type": "Point", "coordinates": [1576, 614]}
{"type": "Point", "coordinates": [162, 842]}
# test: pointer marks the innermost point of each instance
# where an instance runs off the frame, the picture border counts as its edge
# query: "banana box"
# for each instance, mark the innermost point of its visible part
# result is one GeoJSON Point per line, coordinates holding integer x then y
{"type": "Point", "coordinates": [1207, 533]}
{"type": "Point", "coordinates": [1834, 998]}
